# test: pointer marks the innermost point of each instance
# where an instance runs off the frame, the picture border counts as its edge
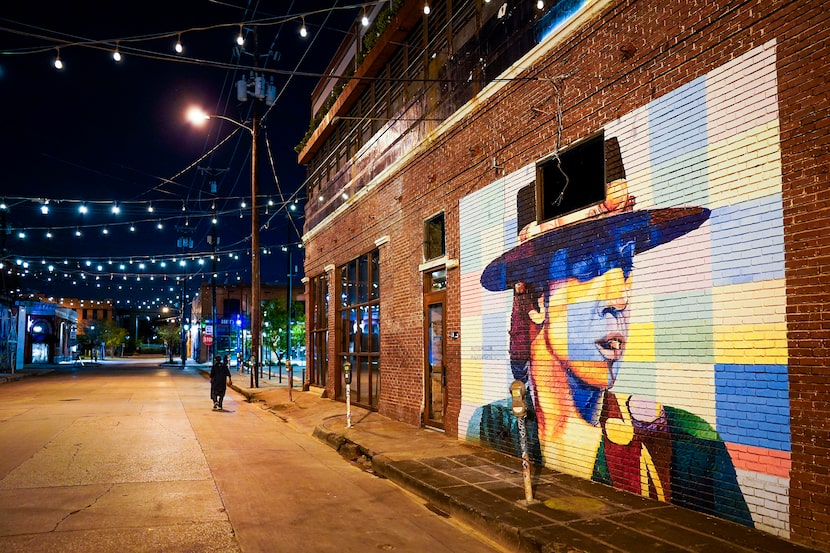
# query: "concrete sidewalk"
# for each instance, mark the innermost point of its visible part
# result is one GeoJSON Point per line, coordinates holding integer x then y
{"type": "Point", "coordinates": [483, 488]}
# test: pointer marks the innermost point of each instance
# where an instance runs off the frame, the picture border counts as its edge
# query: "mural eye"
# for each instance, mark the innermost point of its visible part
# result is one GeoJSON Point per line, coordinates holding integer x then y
{"type": "Point", "coordinates": [585, 270]}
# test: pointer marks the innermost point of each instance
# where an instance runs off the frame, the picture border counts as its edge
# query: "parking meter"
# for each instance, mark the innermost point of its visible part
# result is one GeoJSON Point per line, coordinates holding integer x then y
{"type": "Point", "coordinates": [347, 372]}
{"type": "Point", "coordinates": [517, 395]}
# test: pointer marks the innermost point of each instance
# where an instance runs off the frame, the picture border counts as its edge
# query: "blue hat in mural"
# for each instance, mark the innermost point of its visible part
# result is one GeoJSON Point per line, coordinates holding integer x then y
{"type": "Point", "coordinates": [586, 243]}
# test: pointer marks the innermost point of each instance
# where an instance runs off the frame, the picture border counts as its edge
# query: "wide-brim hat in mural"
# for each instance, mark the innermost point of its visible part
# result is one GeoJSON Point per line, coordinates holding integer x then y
{"type": "Point", "coordinates": [549, 251]}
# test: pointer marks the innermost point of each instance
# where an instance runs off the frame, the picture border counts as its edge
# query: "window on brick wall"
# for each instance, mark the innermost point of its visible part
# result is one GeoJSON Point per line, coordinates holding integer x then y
{"type": "Point", "coordinates": [434, 244]}
{"type": "Point", "coordinates": [317, 358]}
{"type": "Point", "coordinates": [572, 179]}
{"type": "Point", "coordinates": [358, 328]}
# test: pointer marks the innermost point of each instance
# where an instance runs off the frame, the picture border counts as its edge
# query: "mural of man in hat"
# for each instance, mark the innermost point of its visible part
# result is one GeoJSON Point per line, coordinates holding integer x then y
{"type": "Point", "coordinates": [571, 280]}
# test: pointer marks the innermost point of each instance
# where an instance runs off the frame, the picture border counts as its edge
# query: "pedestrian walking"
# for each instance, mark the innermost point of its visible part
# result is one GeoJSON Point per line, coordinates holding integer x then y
{"type": "Point", "coordinates": [220, 377]}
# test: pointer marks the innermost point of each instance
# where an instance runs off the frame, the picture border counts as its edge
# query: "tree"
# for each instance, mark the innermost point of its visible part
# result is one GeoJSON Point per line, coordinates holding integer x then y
{"type": "Point", "coordinates": [89, 335]}
{"type": "Point", "coordinates": [274, 323]}
{"type": "Point", "coordinates": [171, 335]}
{"type": "Point", "coordinates": [112, 335]}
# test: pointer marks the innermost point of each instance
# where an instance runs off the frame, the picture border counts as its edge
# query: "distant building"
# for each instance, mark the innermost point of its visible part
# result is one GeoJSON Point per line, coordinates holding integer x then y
{"type": "Point", "coordinates": [50, 332]}
{"type": "Point", "coordinates": [232, 326]}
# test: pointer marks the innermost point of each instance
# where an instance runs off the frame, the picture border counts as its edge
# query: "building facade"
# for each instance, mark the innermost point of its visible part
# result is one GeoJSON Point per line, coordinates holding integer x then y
{"type": "Point", "coordinates": [619, 205]}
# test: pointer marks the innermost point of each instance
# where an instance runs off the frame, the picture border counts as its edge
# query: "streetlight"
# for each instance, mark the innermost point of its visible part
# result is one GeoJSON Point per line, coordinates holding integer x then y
{"type": "Point", "coordinates": [198, 117]}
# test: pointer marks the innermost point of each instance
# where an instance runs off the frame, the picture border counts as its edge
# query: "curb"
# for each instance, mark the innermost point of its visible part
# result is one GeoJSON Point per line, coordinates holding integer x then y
{"type": "Point", "coordinates": [437, 501]}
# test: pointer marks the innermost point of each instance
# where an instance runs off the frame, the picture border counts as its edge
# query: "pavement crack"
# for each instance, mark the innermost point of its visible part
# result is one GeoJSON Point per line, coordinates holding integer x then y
{"type": "Point", "coordinates": [82, 509]}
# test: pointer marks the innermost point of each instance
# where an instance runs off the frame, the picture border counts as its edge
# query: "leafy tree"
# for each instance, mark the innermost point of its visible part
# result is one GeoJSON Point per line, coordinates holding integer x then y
{"type": "Point", "coordinates": [275, 321]}
{"type": "Point", "coordinates": [89, 334]}
{"type": "Point", "coordinates": [112, 335]}
{"type": "Point", "coordinates": [171, 335]}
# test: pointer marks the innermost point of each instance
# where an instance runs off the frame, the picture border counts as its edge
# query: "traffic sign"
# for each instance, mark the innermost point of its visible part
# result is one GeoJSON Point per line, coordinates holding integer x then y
{"type": "Point", "coordinates": [207, 339]}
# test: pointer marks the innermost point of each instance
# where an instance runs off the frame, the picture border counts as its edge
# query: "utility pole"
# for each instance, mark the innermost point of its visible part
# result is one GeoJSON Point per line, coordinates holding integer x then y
{"type": "Point", "coordinates": [184, 242]}
{"type": "Point", "coordinates": [213, 240]}
{"type": "Point", "coordinates": [256, 308]}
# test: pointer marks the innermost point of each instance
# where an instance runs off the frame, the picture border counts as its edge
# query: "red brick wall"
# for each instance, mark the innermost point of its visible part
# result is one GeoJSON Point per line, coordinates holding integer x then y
{"type": "Point", "coordinates": [803, 29]}
{"type": "Point", "coordinates": [666, 45]}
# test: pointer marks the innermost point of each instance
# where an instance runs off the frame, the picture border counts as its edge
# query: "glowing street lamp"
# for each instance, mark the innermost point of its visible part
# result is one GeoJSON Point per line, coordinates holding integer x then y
{"type": "Point", "coordinates": [199, 117]}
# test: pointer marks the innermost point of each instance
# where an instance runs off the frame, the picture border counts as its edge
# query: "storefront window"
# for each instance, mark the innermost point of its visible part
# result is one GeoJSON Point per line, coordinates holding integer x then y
{"type": "Point", "coordinates": [359, 327]}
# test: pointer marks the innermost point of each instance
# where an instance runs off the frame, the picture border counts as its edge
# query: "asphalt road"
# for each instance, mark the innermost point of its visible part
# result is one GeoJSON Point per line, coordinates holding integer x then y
{"type": "Point", "coordinates": [131, 457]}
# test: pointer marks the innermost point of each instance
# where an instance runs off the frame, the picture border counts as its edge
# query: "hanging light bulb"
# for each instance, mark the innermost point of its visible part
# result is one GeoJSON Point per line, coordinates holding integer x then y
{"type": "Point", "coordinates": [240, 39]}
{"type": "Point", "coordinates": [178, 47]}
{"type": "Point", "coordinates": [303, 30]}
{"type": "Point", "coordinates": [540, 4]}
{"type": "Point", "coordinates": [116, 55]}
{"type": "Point", "coordinates": [115, 209]}
{"type": "Point", "coordinates": [44, 208]}
{"type": "Point", "coordinates": [82, 209]}
{"type": "Point", "coordinates": [426, 8]}
{"type": "Point", "coordinates": [58, 62]}
{"type": "Point", "coordinates": [77, 232]}
{"type": "Point", "coordinates": [150, 207]}
{"type": "Point", "coordinates": [364, 20]}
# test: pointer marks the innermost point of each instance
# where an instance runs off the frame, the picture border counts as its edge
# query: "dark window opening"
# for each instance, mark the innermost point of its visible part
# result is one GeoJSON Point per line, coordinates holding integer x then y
{"type": "Point", "coordinates": [574, 179]}
{"type": "Point", "coordinates": [434, 244]}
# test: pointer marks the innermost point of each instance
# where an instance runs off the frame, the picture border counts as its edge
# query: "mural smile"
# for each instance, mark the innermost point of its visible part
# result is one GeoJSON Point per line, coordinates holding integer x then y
{"type": "Point", "coordinates": [611, 346]}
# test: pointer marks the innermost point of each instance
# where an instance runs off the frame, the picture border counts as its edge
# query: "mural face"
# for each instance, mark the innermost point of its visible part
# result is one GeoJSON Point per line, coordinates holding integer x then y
{"type": "Point", "coordinates": [634, 324]}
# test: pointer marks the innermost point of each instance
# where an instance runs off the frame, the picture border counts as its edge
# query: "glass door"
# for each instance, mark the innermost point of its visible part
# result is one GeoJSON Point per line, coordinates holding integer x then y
{"type": "Point", "coordinates": [434, 329]}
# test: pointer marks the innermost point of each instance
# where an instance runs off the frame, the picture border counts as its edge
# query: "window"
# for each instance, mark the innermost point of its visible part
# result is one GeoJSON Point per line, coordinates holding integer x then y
{"type": "Point", "coordinates": [318, 358]}
{"type": "Point", "coordinates": [359, 328]}
{"type": "Point", "coordinates": [573, 179]}
{"type": "Point", "coordinates": [434, 237]}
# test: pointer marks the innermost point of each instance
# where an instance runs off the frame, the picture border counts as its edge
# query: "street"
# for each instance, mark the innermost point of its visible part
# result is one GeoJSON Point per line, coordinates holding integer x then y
{"type": "Point", "coordinates": [131, 457]}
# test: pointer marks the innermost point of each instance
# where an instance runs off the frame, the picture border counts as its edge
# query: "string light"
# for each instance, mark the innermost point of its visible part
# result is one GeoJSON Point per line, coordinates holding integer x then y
{"type": "Point", "coordinates": [303, 30]}
{"type": "Point", "coordinates": [58, 62]}
{"type": "Point", "coordinates": [82, 209]}
{"type": "Point", "coordinates": [540, 4]}
{"type": "Point", "coordinates": [179, 48]}
{"type": "Point", "coordinates": [116, 55]}
{"type": "Point", "coordinates": [364, 20]}
{"type": "Point", "coordinates": [426, 8]}
{"type": "Point", "coordinates": [240, 40]}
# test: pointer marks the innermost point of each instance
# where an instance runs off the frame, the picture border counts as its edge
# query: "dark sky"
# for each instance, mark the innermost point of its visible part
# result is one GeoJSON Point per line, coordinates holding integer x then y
{"type": "Point", "coordinates": [100, 132]}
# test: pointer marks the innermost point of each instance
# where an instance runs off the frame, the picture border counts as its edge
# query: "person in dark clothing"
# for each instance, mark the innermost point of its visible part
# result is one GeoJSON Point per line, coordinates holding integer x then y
{"type": "Point", "coordinates": [219, 376]}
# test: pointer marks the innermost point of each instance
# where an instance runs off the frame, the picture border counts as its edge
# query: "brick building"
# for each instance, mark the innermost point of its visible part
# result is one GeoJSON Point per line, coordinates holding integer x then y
{"type": "Point", "coordinates": [492, 181]}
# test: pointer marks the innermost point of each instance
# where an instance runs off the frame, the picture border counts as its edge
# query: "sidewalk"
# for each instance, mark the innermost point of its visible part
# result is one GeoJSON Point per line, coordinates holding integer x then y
{"type": "Point", "coordinates": [483, 488]}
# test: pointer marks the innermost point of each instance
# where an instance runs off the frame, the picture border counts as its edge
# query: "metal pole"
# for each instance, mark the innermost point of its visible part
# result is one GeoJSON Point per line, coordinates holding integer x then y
{"type": "Point", "coordinates": [528, 483]}
{"type": "Point", "coordinates": [183, 315]}
{"type": "Point", "coordinates": [213, 322]}
{"type": "Point", "coordinates": [348, 405]}
{"type": "Point", "coordinates": [288, 305]}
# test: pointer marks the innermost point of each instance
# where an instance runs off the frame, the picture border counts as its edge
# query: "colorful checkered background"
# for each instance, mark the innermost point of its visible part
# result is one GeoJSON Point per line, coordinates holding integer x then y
{"type": "Point", "coordinates": [707, 327]}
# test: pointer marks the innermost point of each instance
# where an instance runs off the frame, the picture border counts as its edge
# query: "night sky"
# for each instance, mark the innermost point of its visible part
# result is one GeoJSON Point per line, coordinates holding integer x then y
{"type": "Point", "coordinates": [97, 133]}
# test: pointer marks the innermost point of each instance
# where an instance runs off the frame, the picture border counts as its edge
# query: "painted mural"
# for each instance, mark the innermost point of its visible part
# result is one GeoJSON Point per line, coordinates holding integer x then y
{"type": "Point", "coordinates": [650, 329]}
